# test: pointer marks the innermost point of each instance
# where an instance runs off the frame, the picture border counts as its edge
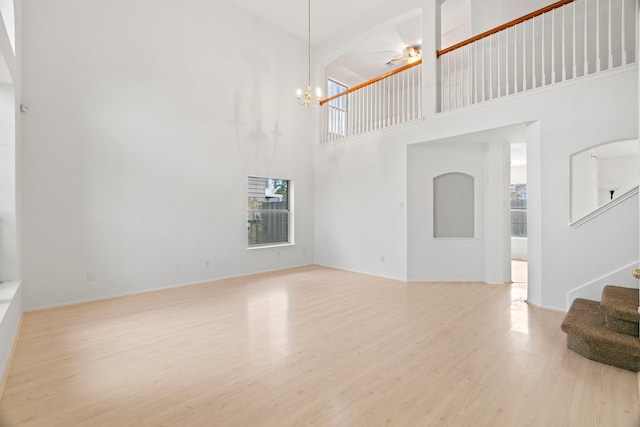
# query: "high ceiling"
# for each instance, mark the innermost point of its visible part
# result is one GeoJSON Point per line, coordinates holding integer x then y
{"type": "Point", "coordinates": [328, 17]}
{"type": "Point", "coordinates": [369, 58]}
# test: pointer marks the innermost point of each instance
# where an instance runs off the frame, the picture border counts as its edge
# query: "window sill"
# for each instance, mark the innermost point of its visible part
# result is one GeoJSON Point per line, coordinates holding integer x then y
{"type": "Point", "coordinates": [270, 246]}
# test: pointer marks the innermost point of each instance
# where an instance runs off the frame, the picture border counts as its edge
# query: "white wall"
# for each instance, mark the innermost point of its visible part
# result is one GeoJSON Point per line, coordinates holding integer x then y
{"type": "Point", "coordinates": [560, 120]}
{"type": "Point", "coordinates": [451, 259]}
{"type": "Point", "coordinates": [620, 171]}
{"type": "Point", "coordinates": [488, 14]}
{"type": "Point", "coordinates": [584, 184]}
{"type": "Point", "coordinates": [145, 120]}
{"type": "Point", "coordinates": [360, 201]}
{"type": "Point", "coordinates": [484, 257]}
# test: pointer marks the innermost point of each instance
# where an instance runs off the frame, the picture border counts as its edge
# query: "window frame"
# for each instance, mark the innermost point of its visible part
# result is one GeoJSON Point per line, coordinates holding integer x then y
{"type": "Point", "coordinates": [253, 211]}
{"type": "Point", "coordinates": [337, 110]}
{"type": "Point", "coordinates": [519, 208]}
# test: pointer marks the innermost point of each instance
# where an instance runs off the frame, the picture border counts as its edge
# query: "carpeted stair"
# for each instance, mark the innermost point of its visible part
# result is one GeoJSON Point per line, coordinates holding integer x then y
{"type": "Point", "coordinates": [606, 331]}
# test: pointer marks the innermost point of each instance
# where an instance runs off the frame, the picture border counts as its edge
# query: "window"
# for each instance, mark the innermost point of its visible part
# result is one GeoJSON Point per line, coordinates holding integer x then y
{"type": "Point", "coordinates": [337, 109]}
{"type": "Point", "coordinates": [269, 214]}
{"type": "Point", "coordinates": [518, 210]}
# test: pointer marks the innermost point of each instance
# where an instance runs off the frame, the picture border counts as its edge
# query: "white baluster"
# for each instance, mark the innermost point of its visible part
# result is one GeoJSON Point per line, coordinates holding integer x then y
{"type": "Point", "coordinates": [542, 52]}
{"type": "Point", "coordinates": [483, 73]}
{"type": "Point", "coordinates": [420, 94]}
{"type": "Point", "coordinates": [515, 59]}
{"type": "Point", "coordinates": [534, 81]}
{"type": "Point", "coordinates": [442, 86]}
{"type": "Point", "coordinates": [598, 36]}
{"type": "Point", "coordinates": [449, 80]}
{"type": "Point", "coordinates": [490, 66]}
{"type": "Point", "coordinates": [524, 56]}
{"type": "Point", "coordinates": [404, 97]}
{"type": "Point", "coordinates": [623, 34]}
{"type": "Point", "coordinates": [365, 103]}
{"type": "Point", "coordinates": [564, 44]}
{"type": "Point", "coordinates": [498, 67]}
{"type": "Point", "coordinates": [455, 78]}
{"type": "Point", "coordinates": [506, 62]}
{"type": "Point", "coordinates": [417, 90]}
{"type": "Point", "coordinates": [475, 72]}
{"type": "Point", "coordinates": [469, 74]}
{"type": "Point", "coordinates": [553, 46]}
{"type": "Point", "coordinates": [586, 54]}
{"type": "Point", "coordinates": [361, 107]}
{"type": "Point", "coordinates": [573, 40]}
{"type": "Point", "coordinates": [460, 79]}
{"type": "Point", "coordinates": [610, 38]}
{"type": "Point", "coordinates": [396, 101]}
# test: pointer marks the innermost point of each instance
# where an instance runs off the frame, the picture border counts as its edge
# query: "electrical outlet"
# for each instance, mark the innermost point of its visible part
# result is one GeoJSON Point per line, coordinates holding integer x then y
{"type": "Point", "coordinates": [91, 277]}
{"type": "Point", "coordinates": [178, 267]}
{"type": "Point", "coordinates": [383, 259]}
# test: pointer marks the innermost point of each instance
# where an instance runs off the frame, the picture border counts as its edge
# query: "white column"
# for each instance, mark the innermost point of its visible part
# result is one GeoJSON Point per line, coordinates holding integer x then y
{"type": "Point", "coordinates": [430, 68]}
{"type": "Point", "coordinates": [534, 215]}
{"type": "Point", "coordinates": [497, 243]}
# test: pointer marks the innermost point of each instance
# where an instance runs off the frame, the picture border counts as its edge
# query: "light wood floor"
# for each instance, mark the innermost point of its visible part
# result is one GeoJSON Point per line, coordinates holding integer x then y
{"type": "Point", "coordinates": [310, 346]}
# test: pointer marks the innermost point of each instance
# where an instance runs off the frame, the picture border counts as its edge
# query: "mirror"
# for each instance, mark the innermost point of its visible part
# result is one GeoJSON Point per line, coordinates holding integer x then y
{"type": "Point", "coordinates": [601, 174]}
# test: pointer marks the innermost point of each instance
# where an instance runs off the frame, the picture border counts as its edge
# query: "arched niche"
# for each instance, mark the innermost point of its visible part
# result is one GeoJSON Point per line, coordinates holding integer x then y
{"type": "Point", "coordinates": [453, 206]}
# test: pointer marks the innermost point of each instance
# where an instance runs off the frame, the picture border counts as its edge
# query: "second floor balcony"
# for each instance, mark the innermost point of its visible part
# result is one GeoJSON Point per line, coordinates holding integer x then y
{"type": "Point", "coordinates": [567, 40]}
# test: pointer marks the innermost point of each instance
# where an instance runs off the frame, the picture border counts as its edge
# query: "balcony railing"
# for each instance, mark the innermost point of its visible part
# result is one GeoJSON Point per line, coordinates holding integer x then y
{"type": "Point", "coordinates": [564, 41]}
{"type": "Point", "coordinates": [388, 100]}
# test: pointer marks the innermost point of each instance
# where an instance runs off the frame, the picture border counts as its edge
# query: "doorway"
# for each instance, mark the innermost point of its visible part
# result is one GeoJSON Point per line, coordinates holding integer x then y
{"type": "Point", "coordinates": [519, 200]}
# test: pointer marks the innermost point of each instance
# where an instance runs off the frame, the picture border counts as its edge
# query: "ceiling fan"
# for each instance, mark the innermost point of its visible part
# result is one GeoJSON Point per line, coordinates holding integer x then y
{"type": "Point", "coordinates": [413, 54]}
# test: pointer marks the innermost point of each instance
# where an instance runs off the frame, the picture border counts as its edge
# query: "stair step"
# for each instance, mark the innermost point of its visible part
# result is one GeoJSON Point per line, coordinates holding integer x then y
{"type": "Point", "coordinates": [620, 306]}
{"type": "Point", "coordinates": [588, 335]}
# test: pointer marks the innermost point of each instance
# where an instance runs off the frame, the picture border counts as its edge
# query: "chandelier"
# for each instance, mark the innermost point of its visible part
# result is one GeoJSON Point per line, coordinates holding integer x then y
{"type": "Point", "coordinates": [305, 98]}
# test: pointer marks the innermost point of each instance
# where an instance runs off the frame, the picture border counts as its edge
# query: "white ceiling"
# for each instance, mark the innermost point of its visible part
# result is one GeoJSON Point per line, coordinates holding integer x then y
{"type": "Point", "coordinates": [328, 17]}
{"type": "Point", "coordinates": [369, 58]}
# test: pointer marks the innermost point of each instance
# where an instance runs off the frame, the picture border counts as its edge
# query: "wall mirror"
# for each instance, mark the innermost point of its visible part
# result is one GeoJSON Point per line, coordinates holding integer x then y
{"type": "Point", "coordinates": [602, 174]}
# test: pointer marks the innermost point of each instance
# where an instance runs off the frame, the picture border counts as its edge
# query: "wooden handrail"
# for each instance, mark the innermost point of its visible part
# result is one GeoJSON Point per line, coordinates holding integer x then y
{"type": "Point", "coordinates": [504, 26]}
{"type": "Point", "coordinates": [372, 81]}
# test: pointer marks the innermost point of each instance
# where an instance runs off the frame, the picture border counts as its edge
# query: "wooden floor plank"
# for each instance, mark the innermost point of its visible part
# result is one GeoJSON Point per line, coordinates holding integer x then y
{"type": "Point", "coordinates": [310, 346]}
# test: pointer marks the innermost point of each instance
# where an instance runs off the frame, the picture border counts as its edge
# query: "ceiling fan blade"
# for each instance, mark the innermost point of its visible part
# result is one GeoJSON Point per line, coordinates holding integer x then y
{"type": "Point", "coordinates": [413, 54]}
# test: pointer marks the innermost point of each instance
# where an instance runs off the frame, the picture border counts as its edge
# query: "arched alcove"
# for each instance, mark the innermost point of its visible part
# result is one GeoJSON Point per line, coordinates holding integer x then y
{"type": "Point", "coordinates": [453, 206]}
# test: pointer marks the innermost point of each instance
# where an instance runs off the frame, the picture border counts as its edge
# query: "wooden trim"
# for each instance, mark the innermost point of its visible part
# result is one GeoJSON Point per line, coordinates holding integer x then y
{"type": "Point", "coordinates": [505, 26]}
{"type": "Point", "coordinates": [5, 375]}
{"type": "Point", "coordinates": [372, 81]}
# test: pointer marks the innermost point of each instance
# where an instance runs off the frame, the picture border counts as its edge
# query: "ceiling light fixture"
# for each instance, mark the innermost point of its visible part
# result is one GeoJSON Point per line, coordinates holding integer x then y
{"type": "Point", "coordinates": [305, 99]}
